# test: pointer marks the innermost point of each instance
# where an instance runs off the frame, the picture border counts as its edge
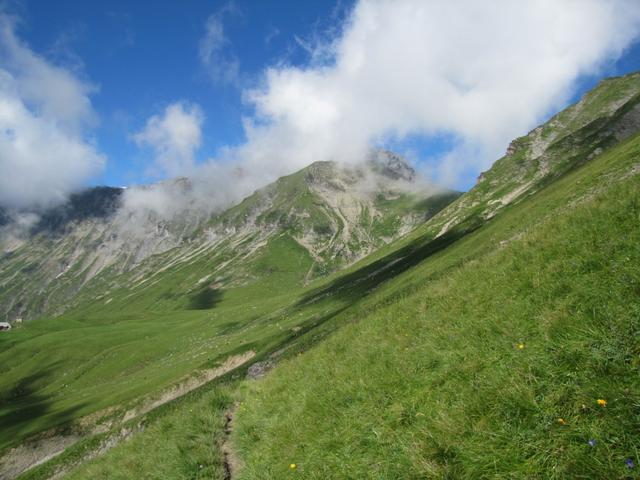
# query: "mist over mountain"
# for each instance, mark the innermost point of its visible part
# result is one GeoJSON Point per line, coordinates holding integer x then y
{"type": "Point", "coordinates": [346, 97]}
{"type": "Point", "coordinates": [114, 230]}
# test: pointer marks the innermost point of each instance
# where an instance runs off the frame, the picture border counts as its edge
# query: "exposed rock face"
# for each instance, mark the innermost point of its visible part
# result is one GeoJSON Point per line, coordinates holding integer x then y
{"type": "Point", "coordinates": [628, 124]}
{"type": "Point", "coordinates": [4, 217]}
{"type": "Point", "coordinates": [392, 165]}
{"type": "Point", "coordinates": [93, 203]}
{"type": "Point", "coordinates": [48, 257]}
{"type": "Point", "coordinates": [259, 369]}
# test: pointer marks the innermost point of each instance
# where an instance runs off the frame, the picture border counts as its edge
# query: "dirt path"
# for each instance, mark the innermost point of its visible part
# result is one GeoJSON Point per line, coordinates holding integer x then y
{"type": "Point", "coordinates": [231, 462]}
{"type": "Point", "coordinates": [34, 453]}
{"type": "Point", "coordinates": [106, 445]}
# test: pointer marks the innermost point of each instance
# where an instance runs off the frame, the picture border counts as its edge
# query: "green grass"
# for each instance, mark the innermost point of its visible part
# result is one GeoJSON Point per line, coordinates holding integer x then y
{"type": "Point", "coordinates": [426, 380]}
{"type": "Point", "coordinates": [132, 341]}
{"type": "Point", "coordinates": [181, 439]}
{"type": "Point", "coordinates": [184, 442]}
{"type": "Point", "coordinates": [416, 372]}
{"type": "Point", "coordinates": [99, 355]}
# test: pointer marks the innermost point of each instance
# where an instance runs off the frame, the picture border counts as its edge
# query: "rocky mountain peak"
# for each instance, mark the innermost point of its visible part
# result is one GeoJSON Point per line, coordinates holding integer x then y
{"type": "Point", "coordinates": [391, 165]}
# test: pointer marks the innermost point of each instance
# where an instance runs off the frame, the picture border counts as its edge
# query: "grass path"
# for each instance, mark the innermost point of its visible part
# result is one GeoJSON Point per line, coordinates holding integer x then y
{"type": "Point", "coordinates": [231, 461]}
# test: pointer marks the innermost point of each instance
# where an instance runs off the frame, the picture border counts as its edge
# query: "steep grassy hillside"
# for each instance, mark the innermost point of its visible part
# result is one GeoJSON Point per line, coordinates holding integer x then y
{"type": "Point", "coordinates": [490, 359]}
{"type": "Point", "coordinates": [481, 352]}
{"type": "Point", "coordinates": [452, 352]}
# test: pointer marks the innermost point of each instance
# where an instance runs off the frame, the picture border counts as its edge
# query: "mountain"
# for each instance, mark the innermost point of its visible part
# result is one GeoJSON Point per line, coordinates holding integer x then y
{"type": "Point", "coordinates": [337, 214]}
{"type": "Point", "coordinates": [496, 338]}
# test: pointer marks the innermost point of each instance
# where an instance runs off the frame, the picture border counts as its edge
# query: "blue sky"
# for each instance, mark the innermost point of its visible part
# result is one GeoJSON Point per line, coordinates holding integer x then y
{"type": "Point", "coordinates": [284, 83]}
{"type": "Point", "coordinates": [143, 55]}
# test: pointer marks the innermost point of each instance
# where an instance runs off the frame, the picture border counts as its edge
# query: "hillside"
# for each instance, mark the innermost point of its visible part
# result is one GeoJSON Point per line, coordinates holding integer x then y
{"type": "Point", "coordinates": [605, 116]}
{"type": "Point", "coordinates": [508, 329]}
{"type": "Point", "coordinates": [511, 353]}
{"type": "Point", "coordinates": [477, 345]}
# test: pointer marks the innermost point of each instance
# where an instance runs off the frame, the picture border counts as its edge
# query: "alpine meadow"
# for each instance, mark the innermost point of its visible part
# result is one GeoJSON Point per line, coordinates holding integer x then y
{"type": "Point", "coordinates": [330, 249]}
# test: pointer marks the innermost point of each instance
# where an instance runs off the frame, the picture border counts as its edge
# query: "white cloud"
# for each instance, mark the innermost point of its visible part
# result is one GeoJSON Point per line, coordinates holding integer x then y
{"type": "Point", "coordinates": [222, 66]}
{"type": "Point", "coordinates": [44, 112]}
{"type": "Point", "coordinates": [483, 72]}
{"type": "Point", "coordinates": [174, 136]}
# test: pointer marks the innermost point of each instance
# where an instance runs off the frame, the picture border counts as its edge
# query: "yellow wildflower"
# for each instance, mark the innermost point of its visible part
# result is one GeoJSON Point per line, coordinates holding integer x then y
{"type": "Point", "coordinates": [293, 466]}
{"type": "Point", "coordinates": [561, 421]}
{"type": "Point", "coordinates": [602, 402]}
{"type": "Point", "coordinates": [520, 346]}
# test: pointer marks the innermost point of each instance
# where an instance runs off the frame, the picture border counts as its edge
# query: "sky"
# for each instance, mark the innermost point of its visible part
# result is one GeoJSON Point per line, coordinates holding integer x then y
{"type": "Point", "coordinates": [240, 92]}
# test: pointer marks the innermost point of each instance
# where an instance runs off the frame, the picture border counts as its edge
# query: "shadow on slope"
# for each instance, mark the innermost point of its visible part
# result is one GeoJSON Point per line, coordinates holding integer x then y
{"type": "Point", "coordinates": [354, 285]}
{"type": "Point", "coordinates": [26, 401]}
{"type": "Point", "coordinates": [205, 298]}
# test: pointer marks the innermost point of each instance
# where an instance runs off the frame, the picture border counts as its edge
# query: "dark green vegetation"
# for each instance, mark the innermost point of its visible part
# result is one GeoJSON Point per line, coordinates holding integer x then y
{"type": "Point", "coordinates": [451, 353]}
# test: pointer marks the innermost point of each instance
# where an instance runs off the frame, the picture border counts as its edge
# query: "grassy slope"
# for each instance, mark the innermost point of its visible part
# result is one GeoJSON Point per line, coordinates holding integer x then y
{"type": "Point", "coordinates": [431, 383]}
{"type": "Point", "coordinates": [424, 378]}
{"type": "Point", "coordinates": [58, 370]}
{"type": "Point", "coordinates": [182, 440]}
{"type": "Point", "coordinates": [572, 136]}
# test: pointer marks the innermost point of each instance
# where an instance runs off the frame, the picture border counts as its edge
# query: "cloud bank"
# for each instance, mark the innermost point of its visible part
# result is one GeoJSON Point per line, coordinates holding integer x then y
{"type": "Point", "coordinates": [44, 113]}
{"type": "Point", "coordinates": [481, 72]}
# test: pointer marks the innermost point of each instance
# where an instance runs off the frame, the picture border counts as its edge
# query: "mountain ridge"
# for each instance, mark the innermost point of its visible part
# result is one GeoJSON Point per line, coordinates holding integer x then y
{"type": "Point", "coordinates": [96, 233]}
